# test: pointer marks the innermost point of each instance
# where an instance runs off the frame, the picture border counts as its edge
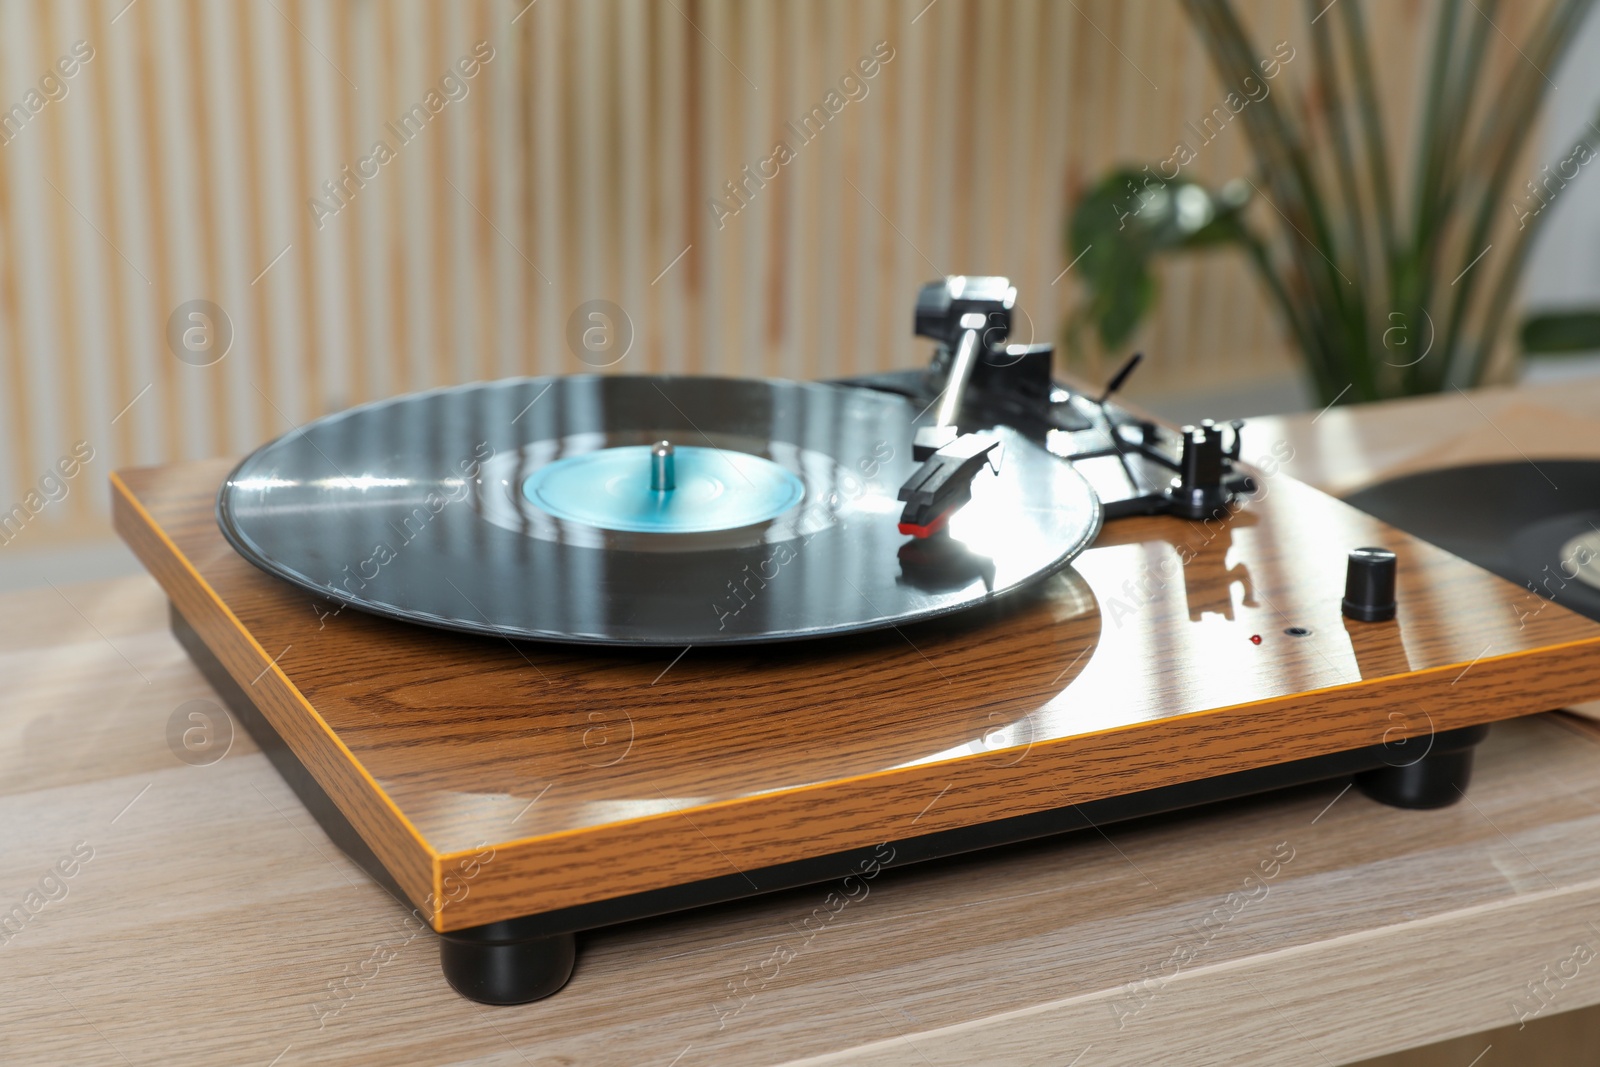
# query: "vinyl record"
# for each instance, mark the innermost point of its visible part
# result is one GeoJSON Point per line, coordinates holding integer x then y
{"type": "Point", "coordinates": [525, 508]}
{"type": "Point", "coordinates": [1534, 523]}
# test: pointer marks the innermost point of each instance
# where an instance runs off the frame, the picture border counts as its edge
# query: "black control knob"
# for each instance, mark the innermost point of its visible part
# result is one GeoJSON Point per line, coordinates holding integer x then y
{"type": "Point", "coordinates": [1369, 585]}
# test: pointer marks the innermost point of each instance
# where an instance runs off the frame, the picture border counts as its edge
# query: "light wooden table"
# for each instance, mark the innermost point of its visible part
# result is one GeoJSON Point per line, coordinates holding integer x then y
{"type": "Point", "coordinates": [216, 924]}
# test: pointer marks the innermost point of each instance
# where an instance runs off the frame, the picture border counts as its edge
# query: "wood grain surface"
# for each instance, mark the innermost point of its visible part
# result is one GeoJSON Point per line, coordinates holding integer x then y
{"type": "Point", "coordinates": [1345, 449]}
{"type": "Point", "coordinates": [588, 775]}
{"type": "Point", "coordinates": [216, 924]}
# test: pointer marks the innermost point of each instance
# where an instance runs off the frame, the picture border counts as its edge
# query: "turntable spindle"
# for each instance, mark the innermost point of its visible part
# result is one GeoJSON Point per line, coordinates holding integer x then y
{"type": "Point", "coordinates": [663, 467]}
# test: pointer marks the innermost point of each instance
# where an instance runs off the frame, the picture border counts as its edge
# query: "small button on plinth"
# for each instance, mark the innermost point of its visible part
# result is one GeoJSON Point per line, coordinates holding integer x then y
{"type": "Point", "coordinates": [1369, 585]}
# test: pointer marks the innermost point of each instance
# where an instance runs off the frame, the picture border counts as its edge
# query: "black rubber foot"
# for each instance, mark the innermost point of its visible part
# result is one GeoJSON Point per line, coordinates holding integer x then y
{"type": "Point", "coordinates": [1436, 779]}
{"type": "Point", "coordinates": [487, 964]}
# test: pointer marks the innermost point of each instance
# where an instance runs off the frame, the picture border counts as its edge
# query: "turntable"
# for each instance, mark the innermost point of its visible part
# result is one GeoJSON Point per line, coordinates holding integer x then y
{"type": "Point", "coordinates": [547, 655]}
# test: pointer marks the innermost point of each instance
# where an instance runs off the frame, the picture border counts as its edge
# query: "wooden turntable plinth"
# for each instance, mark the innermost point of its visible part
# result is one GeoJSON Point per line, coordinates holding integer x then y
{"type": "Point", "coordinates": [514, 793]}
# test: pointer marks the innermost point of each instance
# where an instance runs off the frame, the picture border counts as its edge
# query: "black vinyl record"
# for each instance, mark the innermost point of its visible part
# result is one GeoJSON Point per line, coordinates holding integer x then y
{"type": "Point", "coordinates": [1534, 523]}
{"type": "Point", "coordinates": [524, 508]}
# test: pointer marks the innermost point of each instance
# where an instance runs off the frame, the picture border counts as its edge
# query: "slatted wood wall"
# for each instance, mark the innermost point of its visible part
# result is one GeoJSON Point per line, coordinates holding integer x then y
{"type": "Point", "coordinates": [183, 158]}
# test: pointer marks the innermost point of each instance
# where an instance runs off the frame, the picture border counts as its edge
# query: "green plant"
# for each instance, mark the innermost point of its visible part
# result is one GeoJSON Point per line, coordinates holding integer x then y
{"type": "Point", "coordinates": [1381, 298]}
{"type": "Point", "coordinates": [1553, 333]}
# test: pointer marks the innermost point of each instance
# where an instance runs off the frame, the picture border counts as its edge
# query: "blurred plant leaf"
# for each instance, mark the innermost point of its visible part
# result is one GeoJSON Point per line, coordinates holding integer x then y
{"type": "Point", "coordinates": [1129, 218]}
{"type": "Point", "coordinates": [1560, 332]}
{"type": "Point", "coordinates": [1473, 126]}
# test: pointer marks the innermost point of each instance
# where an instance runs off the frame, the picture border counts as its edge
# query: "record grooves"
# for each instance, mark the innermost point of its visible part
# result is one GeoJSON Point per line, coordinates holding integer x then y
{"type": "Point", "coordinates": [1199, 648]}
{"type": "Point", "coordinates": [1536, 524]}
{"type": "Point", "coordinates": [453, 510]}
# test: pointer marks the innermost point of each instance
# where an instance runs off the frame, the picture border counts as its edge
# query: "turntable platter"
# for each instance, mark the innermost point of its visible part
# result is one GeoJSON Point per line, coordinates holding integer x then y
{"type": "Point", "coordinates": [535, 508]}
